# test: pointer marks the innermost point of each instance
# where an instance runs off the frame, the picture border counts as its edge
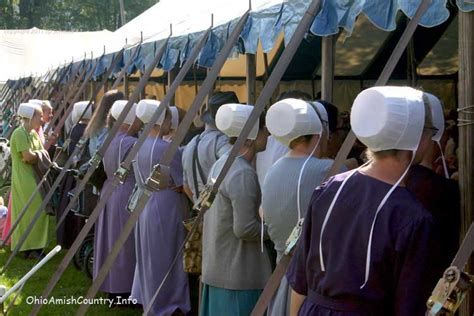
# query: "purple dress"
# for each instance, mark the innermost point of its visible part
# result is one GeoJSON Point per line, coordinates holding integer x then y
{"type": "Point", "coordinates": [158, 236]}
{"type": "Point", "coordinates": [111, 220]}
{"type": "Point", "coordinates": [399, 280]}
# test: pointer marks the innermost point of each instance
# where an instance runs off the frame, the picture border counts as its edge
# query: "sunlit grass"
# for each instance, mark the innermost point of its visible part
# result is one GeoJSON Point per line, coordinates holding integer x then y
{"type": "Point", "coordinates": [73, 283]}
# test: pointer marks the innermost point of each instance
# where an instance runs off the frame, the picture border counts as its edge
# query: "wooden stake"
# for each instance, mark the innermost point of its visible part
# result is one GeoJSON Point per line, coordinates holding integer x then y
{"type": "Point", "coordinates": [171, 76]}
{"type": "Point", "coordinates": [328, 57]}
{"type": "Point", "coordinates": [251, 78]}
{"type": "Point", "coordinates": [466, 134]}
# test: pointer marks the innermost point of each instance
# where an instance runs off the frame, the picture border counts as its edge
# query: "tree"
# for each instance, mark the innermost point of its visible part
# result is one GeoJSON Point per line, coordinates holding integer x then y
{"type": "Point", "coordinates": [68, 15]}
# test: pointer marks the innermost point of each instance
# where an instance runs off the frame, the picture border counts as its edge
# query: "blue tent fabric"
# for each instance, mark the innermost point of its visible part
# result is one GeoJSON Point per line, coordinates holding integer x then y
{"type": "Point", "coordinates": [265, 26]}
{"type": "Point", "coordinates": [465, 5]}
{"type": "Point", "coordinates": [335, 14]}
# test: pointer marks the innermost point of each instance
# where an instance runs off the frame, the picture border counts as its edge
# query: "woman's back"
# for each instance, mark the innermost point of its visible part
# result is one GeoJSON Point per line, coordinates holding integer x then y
{"type": "Point", "coordinates": [401, 249]}
{"type": "Point", "coordinates": [279, 194]}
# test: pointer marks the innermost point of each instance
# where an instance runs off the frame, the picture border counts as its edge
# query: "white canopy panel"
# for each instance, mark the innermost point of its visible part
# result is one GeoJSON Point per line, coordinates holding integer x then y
{"type": "Point", "coordinates": [35, 51]}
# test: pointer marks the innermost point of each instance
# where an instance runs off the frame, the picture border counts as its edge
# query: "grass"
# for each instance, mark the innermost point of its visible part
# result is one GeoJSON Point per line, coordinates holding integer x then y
{"type": "Point", "coordinates": [73, 283]}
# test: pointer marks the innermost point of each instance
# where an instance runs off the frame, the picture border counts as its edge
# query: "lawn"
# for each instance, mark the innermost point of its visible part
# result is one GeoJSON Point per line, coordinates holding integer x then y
{"type": "Point", "coordinates": [73, 283]}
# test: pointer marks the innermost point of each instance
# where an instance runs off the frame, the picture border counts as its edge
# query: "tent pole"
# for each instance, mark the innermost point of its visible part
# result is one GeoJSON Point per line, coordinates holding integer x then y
{"type": "Point", "coordinates": [466, 134]}
{"type": "Point", "coordinates": [125, 85]}
{"type": "Point", "coordinates": [171, 76]}
{"type": "Point", "coordinates": [251, 61]}
{"type": "Point", "coordinates": [328, 57]}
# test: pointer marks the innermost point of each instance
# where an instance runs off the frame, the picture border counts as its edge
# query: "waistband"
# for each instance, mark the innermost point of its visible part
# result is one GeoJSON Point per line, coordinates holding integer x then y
{"type": "Point", "coordinates": [347, 305]}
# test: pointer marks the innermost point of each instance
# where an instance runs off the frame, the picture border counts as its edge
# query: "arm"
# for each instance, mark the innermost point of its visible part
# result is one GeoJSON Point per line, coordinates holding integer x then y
{"type": "Point", "coordinates": [297, 271]}
{"type": "Point", "coordinates": [242, 190]}
{"type": "Point", "coordinates": [296, 302]}
{"type": "Point", "coordinates": [188, 192]}
{"type": "Point", "coordinates": [29, 157]}
{"type": "Point", "coordinates": [415, 265]}
{"type": "Point", "coordinates": [20, 145]}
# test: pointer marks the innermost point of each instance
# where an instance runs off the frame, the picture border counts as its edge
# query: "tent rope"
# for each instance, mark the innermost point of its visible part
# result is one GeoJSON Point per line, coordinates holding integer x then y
{"type": "Point", "coordinates": [464, 121]}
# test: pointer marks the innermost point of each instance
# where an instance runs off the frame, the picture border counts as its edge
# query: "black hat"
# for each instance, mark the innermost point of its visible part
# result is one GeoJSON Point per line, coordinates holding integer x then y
{"type": "Point", "coordinates": [215, 101]}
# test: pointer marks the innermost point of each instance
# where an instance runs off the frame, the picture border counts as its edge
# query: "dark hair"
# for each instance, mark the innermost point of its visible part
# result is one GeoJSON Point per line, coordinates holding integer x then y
{"type": "Point", "coordinates": [102, 112]}
{"type": "Point", "coordinates": [294, 94]}
{"type": "Point", "coordinates": [333, 113]}
{"type": "Point", "coordinates": [110, 121]}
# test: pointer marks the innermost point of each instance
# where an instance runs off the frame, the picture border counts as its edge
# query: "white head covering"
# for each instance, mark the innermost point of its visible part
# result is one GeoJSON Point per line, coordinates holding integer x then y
{"type": "Point", "coordinates": [146, 108]}
{"type": "Point", "coordinates": [27, 110]}
{"type": "Point", "coordinates": [231, 119]}
{"type": "Point", "coordinates": [437, 116]}
{"type": "Point", "coordinates": [174, 117]}
{"type": "Point", "coordinates": [36, 102]}
{"type": "Point", "coordinates": [117, 109]}
{"type": "Point", "coordinates": [383, 118]}
{"type": "Point", "coordinates": [323, 116]}
{"type": "Point", "coordinates": [289, 119]}
{"type": "Point", "coordinates": [47, 103]}
{"type": "Point", "coordinates": [79, 108]}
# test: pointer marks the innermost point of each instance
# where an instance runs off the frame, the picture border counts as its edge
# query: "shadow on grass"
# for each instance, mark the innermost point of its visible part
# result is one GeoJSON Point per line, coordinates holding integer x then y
{"type": "Point", "coordinates": [74, 283]}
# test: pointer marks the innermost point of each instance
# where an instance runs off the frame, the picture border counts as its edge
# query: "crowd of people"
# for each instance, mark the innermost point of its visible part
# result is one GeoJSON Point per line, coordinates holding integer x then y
{"type": "Point", "coordinates": [374, 239]}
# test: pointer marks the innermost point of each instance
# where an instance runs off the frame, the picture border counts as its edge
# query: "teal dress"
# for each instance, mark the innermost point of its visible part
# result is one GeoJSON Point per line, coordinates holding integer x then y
{"type": "Point", "coordinates": [216, 299]}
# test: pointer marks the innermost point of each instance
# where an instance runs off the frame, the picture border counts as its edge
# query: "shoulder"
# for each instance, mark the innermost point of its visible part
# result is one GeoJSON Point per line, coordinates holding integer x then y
{"type": "Point", "coordinates": [239, 170]}
{"type": "Point", "coordinates": [18, 131]}
{"type": "Point", "coordinates": [19, 135]}
{"type": "Point", "coordinates": [190, 146]}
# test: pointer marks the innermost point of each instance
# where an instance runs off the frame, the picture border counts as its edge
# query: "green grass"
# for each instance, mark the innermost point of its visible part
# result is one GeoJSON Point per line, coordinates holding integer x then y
{"type": "Point", "coordinates": [73, 283]}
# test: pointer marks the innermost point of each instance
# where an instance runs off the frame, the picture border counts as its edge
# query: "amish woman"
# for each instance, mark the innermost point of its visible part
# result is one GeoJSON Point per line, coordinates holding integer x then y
{"type": "Point", "coordinates": [97, 132]}
{"type": "Point", "coordinates": [159, 232]}
{"type": "Point", "coordinates": [303, 128]}
{"type": "Point", "coordinates": [67, 232]}
{"type": "Point", "coordinates": [115, 214]}
{"type": "Point", "coordinates": [234, 268]}
{"type": "Point", "coordinates": [438, 194]}
{"type": "Point", "coordinates": [367, 243]}
{"type": "Point", "coordinates": [25, 146]}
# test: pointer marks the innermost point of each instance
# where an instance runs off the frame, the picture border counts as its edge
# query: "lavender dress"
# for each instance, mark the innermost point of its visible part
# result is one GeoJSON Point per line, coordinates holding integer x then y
{"type": "Point", "coordinates": [111, 220]}
{"type": "Point", "coordinates": [158, 235]}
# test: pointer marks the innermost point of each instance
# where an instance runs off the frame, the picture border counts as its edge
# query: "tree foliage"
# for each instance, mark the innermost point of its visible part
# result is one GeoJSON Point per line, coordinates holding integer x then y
{"type": "Point", "coordinates": [68, 15]}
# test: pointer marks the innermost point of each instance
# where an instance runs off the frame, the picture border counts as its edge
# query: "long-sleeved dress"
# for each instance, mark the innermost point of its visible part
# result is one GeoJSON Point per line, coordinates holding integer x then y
{"type": "Point", "coordinates": [399, 280]}
{"type": "Point", "coordinates": [72, 225]}
{"type": "Point", "coordinates": [111, 220]}
{"type": "Point", "coordinates": [234, 268]}
{"type": "Point", "coordinates": [158, 235]}
{"type": "Point", "coordinates": [23, 186]}
{"type": "Point", "coordinates": [280, 204]}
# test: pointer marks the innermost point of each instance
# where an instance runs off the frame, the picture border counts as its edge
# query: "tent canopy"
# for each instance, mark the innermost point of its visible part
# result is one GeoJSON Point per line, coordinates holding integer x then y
{"type": "Point", "coordinates": [268, 20]}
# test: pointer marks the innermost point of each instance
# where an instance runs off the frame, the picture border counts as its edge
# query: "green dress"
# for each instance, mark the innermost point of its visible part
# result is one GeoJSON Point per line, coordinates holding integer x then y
{"type": "Point", "coordinates": [23, 185]}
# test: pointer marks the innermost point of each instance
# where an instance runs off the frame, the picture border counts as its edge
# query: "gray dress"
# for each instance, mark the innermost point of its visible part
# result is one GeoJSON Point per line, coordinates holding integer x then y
{"type": "Point", "coordinates": [111, 220]}
{"type": "Point", "coordinates": [212, 145]}
{"type": "Point", "coordinates": [279, 201]}
{"type": "Point", "coordinates": [158, 235]}
{"type": "Point", "coordinates": [232, 258]}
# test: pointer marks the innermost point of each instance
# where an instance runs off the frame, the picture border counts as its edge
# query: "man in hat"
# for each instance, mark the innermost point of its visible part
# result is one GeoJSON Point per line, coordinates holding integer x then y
{"type": "Point", "coordinates": [206, 148]}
